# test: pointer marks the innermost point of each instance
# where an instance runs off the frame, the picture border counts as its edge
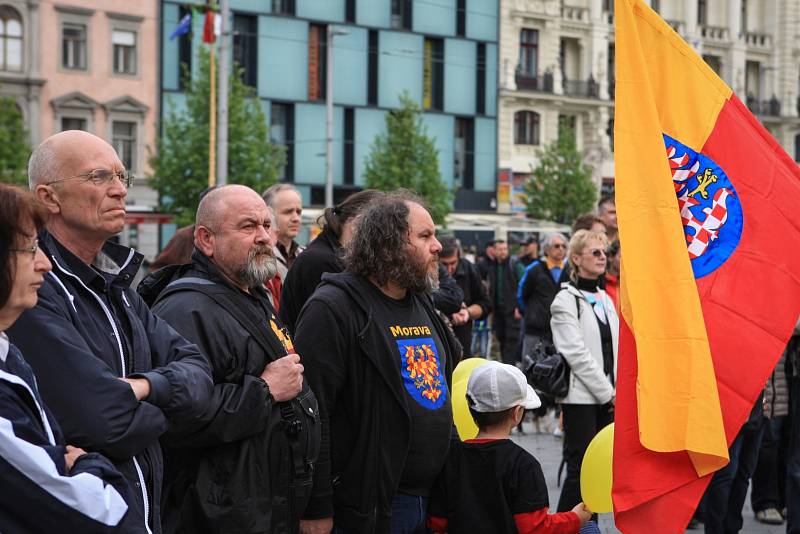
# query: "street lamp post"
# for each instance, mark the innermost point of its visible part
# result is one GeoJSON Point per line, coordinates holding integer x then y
{"type": "Point", "coordinates": [332, 31]}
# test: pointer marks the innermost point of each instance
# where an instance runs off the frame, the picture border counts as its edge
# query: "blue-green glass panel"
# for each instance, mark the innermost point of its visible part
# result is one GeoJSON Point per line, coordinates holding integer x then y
{"type": "Point", "coordinates": [375, 13]}
{"type": "Point", "coordinates": [459, 76]}
{"type": "Point", "coordinates": [485, 154]}
{"type": "Point", "coordinates": [435, 17]}
{"type": "Point", "coordinates": [369, 123]}
{"type": "Point", "coordinates": [441, 129]}
{"type": "Point", "coordinates": [350, 66]}
{"type": "Point", "coordinates": [324, 10]}
{"type": "Point", "coordinates": [491, 80]}
{"type": "Point", "coordinates": [399, 67]}
{"type": "Point", "coordinates": [309, 144]}
{"type": "Point", "coordinates": [482, 19]}
{"type": "Point", "coordinates": [283, 58]}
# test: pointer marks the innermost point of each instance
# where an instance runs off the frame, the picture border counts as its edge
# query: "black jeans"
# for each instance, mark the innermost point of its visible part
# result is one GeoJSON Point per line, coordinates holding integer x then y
{"type": "Point", "coordinates": [793, 462]}
{"type": "Point", "coordinates": [726, 493]}
{"type": "Point", "coordinates": [581, 423]}
{"type": "Point", "coordinates": [769, 478]}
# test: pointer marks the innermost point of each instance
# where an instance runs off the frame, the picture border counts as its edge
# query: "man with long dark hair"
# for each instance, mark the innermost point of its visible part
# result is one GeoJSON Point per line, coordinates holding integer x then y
{"type": "Point", "coordinates": [379, 360]}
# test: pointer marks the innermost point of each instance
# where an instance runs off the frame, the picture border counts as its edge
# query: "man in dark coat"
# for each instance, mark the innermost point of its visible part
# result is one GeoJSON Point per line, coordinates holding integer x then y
{"type": "Point", "coordinates": [115, 376]}
{"type": "Point", "coordinates": [475, 304]}
{"type": "Point", "coordinates": [538, 287]}
{"type": "Point", "coordinates": [245, 465]}
{"type": "Point", "coordinates": [379, 359]}
{"type": "Point", "coordinates": [503, 293]}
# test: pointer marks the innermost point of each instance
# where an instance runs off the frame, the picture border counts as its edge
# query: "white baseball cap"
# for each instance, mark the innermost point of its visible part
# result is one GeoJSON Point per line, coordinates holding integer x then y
{"type": "Point", "coordinates": [495, 386]}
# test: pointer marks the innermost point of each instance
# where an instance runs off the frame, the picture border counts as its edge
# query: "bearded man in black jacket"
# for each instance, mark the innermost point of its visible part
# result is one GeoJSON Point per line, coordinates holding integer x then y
{"type": "Point", "coordinates": [380, 361]}
{"type": "Point", "coordinates": [245, 466]}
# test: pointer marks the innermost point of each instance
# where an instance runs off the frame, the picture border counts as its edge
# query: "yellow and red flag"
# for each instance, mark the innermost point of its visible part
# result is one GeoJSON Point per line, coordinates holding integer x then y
{"type": "Point", "coordinates": [710, 285]}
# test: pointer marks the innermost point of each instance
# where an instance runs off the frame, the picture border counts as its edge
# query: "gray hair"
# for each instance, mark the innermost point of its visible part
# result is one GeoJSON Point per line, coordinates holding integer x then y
{"type": "Point", "coordinates": [42, 164]}
{"type": "Point", "coordinates": [271, 192]}
{"type": "Point", "coordinates": [547, 242]}
{"type": "Point", "coordinates": [211, 205]}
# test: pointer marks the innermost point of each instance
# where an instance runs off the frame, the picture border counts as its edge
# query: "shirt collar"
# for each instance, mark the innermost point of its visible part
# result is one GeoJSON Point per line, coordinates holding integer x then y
{"type": "Point", "coordinates": [553, 264]}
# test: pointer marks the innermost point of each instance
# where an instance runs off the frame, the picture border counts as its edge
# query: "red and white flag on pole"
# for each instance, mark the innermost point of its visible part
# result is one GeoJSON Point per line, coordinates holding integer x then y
{"type": "Point", "coordinates": [211, 27]}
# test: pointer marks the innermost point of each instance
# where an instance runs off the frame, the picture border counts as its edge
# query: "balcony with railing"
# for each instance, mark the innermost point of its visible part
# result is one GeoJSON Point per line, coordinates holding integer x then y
{"type": "Point", "coordinates": [528, 81]}
{"type": "Point", "coordinates": [770, 108]}
{"type": "Point", "coordinates": [758, 40]}
{"type": "Point", "coordinates": [582, 88]}
{"type": "Point", "coordinates": [714, 33]}
{"type": "Point", "coordinates": [575, 13]}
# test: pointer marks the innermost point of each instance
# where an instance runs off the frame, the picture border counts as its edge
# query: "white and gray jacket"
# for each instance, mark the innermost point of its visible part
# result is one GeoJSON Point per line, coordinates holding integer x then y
{"type": "Point", "coordinates": [578, 340]}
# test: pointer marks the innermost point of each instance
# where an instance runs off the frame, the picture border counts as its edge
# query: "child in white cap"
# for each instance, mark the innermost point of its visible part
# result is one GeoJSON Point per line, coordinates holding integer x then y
{"type": "Point", "coordinates": [490, 484]}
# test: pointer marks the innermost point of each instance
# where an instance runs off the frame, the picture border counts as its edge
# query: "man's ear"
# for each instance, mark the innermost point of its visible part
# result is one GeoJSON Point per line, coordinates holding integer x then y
{"type": "Point", "coordinates": [519, 413]}
{"type": "Point", "coordinates": [48, 197]}
{"type": "Point", "coordinates": [204, 240]}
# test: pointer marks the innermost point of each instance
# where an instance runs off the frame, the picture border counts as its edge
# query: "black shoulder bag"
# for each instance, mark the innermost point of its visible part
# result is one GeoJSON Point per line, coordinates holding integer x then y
{"type": "Point", "coordinates": [548, 372]}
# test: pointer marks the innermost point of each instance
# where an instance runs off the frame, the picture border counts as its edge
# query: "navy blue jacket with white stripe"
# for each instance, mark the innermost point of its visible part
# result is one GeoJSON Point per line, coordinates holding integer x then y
{"type": "Point", "coordinates": [90, 328]}
{"type": "Point", "coordinates": [40, 496]}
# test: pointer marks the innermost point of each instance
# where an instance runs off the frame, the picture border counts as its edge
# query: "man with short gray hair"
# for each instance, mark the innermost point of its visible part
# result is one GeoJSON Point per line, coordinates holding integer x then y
{"type": "Point", "coordinates": [286, 203]}
{"type": "Point", "coordinates": [115, 376]}
{"type": "Point", "coordinates": [537, 289]}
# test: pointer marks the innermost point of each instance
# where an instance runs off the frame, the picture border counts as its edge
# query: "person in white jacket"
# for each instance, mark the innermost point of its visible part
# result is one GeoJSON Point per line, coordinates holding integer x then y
{"type": "Point", "coordinates": [585, 330]}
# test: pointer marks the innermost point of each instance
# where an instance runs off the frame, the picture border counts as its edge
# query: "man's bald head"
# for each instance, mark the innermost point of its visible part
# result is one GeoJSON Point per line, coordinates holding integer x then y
{"type": "Point", "coordinates": [217, 204]}
{"type": "Point", "coordinates": [59, 152]}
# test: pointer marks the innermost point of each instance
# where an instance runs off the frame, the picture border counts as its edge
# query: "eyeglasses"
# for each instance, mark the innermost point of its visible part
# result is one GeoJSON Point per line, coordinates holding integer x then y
{"type": "Point", "coordinates": [558, 245]}
{"type": "Point", "coordinates": [30, 250]}
{"type": "Point", "coordinates": [101, 177]}
{"type": "Point", "coordinates": [598, 252]}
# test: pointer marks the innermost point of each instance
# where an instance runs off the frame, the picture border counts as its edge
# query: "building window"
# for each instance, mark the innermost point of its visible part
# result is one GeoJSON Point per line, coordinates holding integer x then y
{"type": "Point", "coordinates": [317, 43]}
{"type": "Point", "coordinates": [433, 75]}
{"type": "Point", "coordinates": [281, 132]}
{"type": "Point", "coordinates": [797, 148]}
{"type": "Point", "coordinates": [401, 14]}
{"type": "Point", "coordinates": [610, 133]}
{"type": "Point", "coordinates": [714, 62]}
{"type": "Point", "coordinates": [124, 43]}
{"type": "Point", "coordinates": [528, 52]}
{"type": "Point", "coordinates": [73, 45]}
{"type": "Point", "coordinates": [350, 11]}
{"type": "Point", "coordinates": [480, 80]}
{"type": "Point", "coordinates": [349, 146]}
{"type": "Point", "coordinates": [372, 69]}
{"type": "Point", "coordinates": [72, 123]}
{"type": "Point", "coordinates": [463, 154]}
{"type": "Point", "coordinates": [702, 12]}
{"type": "Point", "coordinates": [283, 7]}
{"type": "Point", "coordinates": [461, 18]}
{"type": "Point", "coordinates": [656, 5]}
{"type": "Point", "coordinates": [567, 125]}
{"type": "Point", "coordinates": [245, 47]}
{"type": "Point", "coordinates": [526, 128]}
{"type": "Point", "coordinates": [10, 40]}
{"type": "Point", "coordinates": [123, 139]}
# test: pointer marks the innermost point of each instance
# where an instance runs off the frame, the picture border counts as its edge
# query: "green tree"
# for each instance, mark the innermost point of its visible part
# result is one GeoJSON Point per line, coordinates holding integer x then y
{"type": "Point", "coordinates": [180, 163]}
{"type": "Point", "coordinates": [561, 186]}
{"type": "Point", "coordinates": [405, 156]}
{"type": "Point", "coordinates": [14, 147]}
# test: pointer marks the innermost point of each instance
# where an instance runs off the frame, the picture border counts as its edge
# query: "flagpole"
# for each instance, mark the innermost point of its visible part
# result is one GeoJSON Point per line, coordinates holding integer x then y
{"type": "Point", "coordinates": [212, 122]}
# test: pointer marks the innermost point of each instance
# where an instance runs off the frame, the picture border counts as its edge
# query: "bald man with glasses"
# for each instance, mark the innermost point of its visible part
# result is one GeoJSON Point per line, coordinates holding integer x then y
{"type": "Point", "coordinates": [115, 376]}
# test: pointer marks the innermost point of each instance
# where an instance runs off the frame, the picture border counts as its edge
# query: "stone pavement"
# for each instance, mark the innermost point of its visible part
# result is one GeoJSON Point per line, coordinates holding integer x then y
{"type": "Point", "coordinates": [547, 449]}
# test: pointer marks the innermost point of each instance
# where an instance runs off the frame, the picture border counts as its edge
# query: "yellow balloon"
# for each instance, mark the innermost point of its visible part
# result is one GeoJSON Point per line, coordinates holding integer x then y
{"type": "Point", "coordinates": [596, 472]}
{"type": "Point", "coordinates": [465, 367]}
{"type": "Point", "coordinates": [467, 429]}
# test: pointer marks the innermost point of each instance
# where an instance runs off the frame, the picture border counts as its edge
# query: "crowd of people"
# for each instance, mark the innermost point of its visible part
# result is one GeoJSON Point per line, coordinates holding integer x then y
{"type": "Point", "coordinates": [250, 385]}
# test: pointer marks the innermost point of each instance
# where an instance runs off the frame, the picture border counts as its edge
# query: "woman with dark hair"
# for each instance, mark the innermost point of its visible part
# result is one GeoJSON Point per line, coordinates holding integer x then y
{"type": "Point", "coordinates": [322, 254]}
{"type": "Point", "coordinates": [37, 469]}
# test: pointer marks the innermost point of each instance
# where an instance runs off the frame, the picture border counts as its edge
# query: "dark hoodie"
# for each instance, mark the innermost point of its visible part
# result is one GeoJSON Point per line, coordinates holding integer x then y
{"type": "Point", "coordinates": [366, 426]}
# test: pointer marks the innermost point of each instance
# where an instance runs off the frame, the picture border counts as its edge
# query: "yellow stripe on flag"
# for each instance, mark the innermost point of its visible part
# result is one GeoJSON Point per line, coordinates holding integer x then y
{"type": "Point", "coordinates": [664, 87]}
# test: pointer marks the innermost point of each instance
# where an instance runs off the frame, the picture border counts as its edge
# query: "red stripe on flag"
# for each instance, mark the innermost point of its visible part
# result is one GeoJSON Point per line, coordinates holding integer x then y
{"type": "Point", "coordinates": [208, 28]}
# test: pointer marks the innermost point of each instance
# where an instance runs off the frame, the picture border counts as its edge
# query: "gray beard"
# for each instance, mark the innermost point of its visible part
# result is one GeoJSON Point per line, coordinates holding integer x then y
{"type": "Point", "coordinates": [255, 273]}
{"type": "Point", "coordinates": [431, 282]}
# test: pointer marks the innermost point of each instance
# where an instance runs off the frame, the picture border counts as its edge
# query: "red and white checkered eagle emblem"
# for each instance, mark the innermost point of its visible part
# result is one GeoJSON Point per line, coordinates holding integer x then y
{"type": "Point", "coordinates": [685, 174]}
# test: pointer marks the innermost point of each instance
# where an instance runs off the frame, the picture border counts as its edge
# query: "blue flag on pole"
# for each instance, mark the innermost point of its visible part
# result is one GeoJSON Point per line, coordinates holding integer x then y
{"type": "Point", "coordinates": [183, 26]}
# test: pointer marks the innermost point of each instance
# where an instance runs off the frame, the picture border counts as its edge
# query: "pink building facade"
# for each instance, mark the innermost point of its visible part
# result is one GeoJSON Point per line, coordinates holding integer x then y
{"type": "Point", "coordinates": [90, 65]}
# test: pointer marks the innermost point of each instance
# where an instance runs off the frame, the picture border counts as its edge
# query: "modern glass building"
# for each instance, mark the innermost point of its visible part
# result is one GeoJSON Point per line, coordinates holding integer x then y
{"type": "Point", "coordinates": [442, 52]}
